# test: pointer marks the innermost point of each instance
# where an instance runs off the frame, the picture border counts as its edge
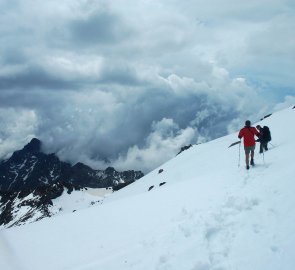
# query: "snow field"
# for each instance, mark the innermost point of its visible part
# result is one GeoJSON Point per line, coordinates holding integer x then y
{"type": "Point", "coordinates": [210, 215]}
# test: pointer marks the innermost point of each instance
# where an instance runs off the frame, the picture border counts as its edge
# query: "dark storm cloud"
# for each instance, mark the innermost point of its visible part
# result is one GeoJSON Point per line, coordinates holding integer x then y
{"type": "Point", "coordinates": [34, 77]}
{"type": "Point", "coordinates": [123, 74]}
{"type": "Point", "coordinates": [100, 28]}
{"type": "Point", "coordinates": [12, 56]}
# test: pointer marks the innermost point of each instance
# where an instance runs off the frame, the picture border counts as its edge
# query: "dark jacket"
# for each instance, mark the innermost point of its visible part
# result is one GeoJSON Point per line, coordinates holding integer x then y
{"type": "Point", "coordinates": [264, 135]}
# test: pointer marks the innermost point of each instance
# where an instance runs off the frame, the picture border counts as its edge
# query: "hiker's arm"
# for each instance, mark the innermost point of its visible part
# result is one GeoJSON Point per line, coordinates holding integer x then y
{"type": "Point", "coordinates": [257, 133]}
{"type": "Point", "coordinates": [240, 134]}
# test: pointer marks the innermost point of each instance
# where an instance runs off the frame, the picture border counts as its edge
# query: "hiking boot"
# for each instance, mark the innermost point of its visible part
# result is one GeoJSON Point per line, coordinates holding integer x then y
{"type": "Point", "coordinates": [252, 162]}
{"type": "Point", "coordinates": [247, 167]}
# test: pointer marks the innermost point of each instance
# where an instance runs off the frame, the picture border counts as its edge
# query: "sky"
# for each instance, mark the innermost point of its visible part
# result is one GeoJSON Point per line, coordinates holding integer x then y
{"type": "Point", "coordinates": [128, 83]}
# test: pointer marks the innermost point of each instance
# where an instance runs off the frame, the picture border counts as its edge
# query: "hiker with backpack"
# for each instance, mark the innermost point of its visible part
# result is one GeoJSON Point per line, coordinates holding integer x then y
{"type": "Point", "coordinates": [264, 138]}
{"type": "Point", "coordinates": [248, 133]}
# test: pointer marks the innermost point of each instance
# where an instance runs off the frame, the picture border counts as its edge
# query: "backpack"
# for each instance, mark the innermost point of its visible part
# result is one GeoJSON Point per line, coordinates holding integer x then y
{"type": "Point", "coordinates": [266, 134]}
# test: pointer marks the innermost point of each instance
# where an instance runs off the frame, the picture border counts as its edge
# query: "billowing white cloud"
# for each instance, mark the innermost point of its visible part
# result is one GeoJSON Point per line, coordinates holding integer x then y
{"type": "Point", "coordinates": [288, 101]}
{"type": "Point", "coordinates": [18, 126]}
{"type": "Point", "coordinates": [163, 142]}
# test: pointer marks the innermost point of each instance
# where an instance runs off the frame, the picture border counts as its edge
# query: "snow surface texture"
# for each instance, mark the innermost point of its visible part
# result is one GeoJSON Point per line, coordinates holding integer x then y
{"type": "Point", "coordinates": [78, 199]}
{"type": "Point", "coordinates": [210, 215]}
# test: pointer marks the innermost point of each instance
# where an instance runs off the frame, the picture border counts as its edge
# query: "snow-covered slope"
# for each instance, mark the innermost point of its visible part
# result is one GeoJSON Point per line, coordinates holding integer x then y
{"type": "Point", "coordinates": [79, 199]}
{"type": "Point", "coordinates": [29, 208]}
{"type": "Point", "coordinates": [211, 214]}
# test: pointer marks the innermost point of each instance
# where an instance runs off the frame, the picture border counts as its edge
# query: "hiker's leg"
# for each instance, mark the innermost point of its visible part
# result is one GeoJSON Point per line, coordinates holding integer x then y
{"type": "Point", "coordinates": [247, 154]}
{"type": "Point", "coordinates": [261, 148]}
{"type": "Point", "coordinates": [265, 146]}
{"type": "Point", "coordinates": [247, 158]}
{"type": "Point", "coordinates": [252, 154]}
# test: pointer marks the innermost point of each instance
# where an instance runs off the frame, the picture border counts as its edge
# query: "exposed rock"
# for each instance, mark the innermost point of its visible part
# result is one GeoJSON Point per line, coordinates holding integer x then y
{"type": "Point", "coordinates": [268, 115]}
{"type": "Point", "coordinates": [150, 188]}
{"type": "Point", "coordinates": [184, 148]}
{"type": "Point", "coordinates": [32, 178]}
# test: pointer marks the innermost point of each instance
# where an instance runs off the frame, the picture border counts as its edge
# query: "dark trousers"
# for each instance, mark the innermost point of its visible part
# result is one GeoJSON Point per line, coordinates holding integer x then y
{"type": "Point", "coordinates": [263, 147]}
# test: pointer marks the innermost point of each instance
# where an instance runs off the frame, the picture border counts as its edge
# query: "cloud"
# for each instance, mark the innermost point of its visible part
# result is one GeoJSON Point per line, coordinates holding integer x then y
{"type": "Point", "coordinates": [128, 84]}
{"type": "Point", "coordinates": [131, 126]}
{"type": "Point", "coordinates": [17, 128]}
{"type": "Point", "coordinates": [289, 101]}
{"type": "Point", "coordinates": [32, 77]}
{"type": "Point", "coordinates": [162, 143]}
{"type": "Point", "coordinates": [98, 28]}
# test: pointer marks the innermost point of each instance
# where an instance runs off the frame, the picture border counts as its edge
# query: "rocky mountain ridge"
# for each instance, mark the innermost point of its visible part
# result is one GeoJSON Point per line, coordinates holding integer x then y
{"type": "Point", "coordinates": [31, 179]}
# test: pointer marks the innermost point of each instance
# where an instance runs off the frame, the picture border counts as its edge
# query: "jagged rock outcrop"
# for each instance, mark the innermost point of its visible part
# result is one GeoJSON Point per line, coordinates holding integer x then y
{"type": "Point", "coordinates": [184, 148]}
{"type": "Point", "coordinates": [32, 178]}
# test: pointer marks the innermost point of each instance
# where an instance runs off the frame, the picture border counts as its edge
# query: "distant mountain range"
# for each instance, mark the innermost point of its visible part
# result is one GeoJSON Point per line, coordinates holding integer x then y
{"type": "Point", "coordinates": [31, 179]}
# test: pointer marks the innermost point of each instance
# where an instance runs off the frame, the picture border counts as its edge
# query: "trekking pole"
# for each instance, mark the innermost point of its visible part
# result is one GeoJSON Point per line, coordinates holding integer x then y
{"type": "Point", "coordinates": [271, 144]}
{"type": "Point", "coordinates": [263, 156]}
{"type": "Point", "coordinates": [239, 153]}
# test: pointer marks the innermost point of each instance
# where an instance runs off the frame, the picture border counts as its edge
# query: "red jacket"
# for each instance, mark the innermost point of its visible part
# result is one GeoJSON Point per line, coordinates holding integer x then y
{"type": "Point", "coordinates": [248, 134]}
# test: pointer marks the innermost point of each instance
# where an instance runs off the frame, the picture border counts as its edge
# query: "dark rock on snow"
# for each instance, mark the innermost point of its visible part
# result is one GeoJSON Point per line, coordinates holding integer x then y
{"type": "Point", "coordinates": [268, 115]}
{"type": "Point", "coordinates": [151, 187]}
{"type": "Point", "coordinates": [184, 148]}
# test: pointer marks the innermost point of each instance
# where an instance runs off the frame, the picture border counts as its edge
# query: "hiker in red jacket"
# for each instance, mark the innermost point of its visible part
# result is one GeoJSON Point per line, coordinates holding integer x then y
{"type": "Point", "coordinates": [248, 133]}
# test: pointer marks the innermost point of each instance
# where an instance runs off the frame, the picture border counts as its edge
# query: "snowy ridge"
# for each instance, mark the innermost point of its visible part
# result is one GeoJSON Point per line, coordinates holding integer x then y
{"type": "Point", "coordinates": [209, 215]}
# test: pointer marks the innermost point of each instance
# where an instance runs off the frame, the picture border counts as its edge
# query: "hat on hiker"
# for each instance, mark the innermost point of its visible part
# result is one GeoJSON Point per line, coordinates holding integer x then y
{"type": "Point", "coordinates": [248, 123]}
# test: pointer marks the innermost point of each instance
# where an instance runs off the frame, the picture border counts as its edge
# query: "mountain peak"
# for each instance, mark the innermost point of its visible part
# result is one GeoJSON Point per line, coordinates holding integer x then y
{"type": "Point", "coordinates": [33, 146]}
